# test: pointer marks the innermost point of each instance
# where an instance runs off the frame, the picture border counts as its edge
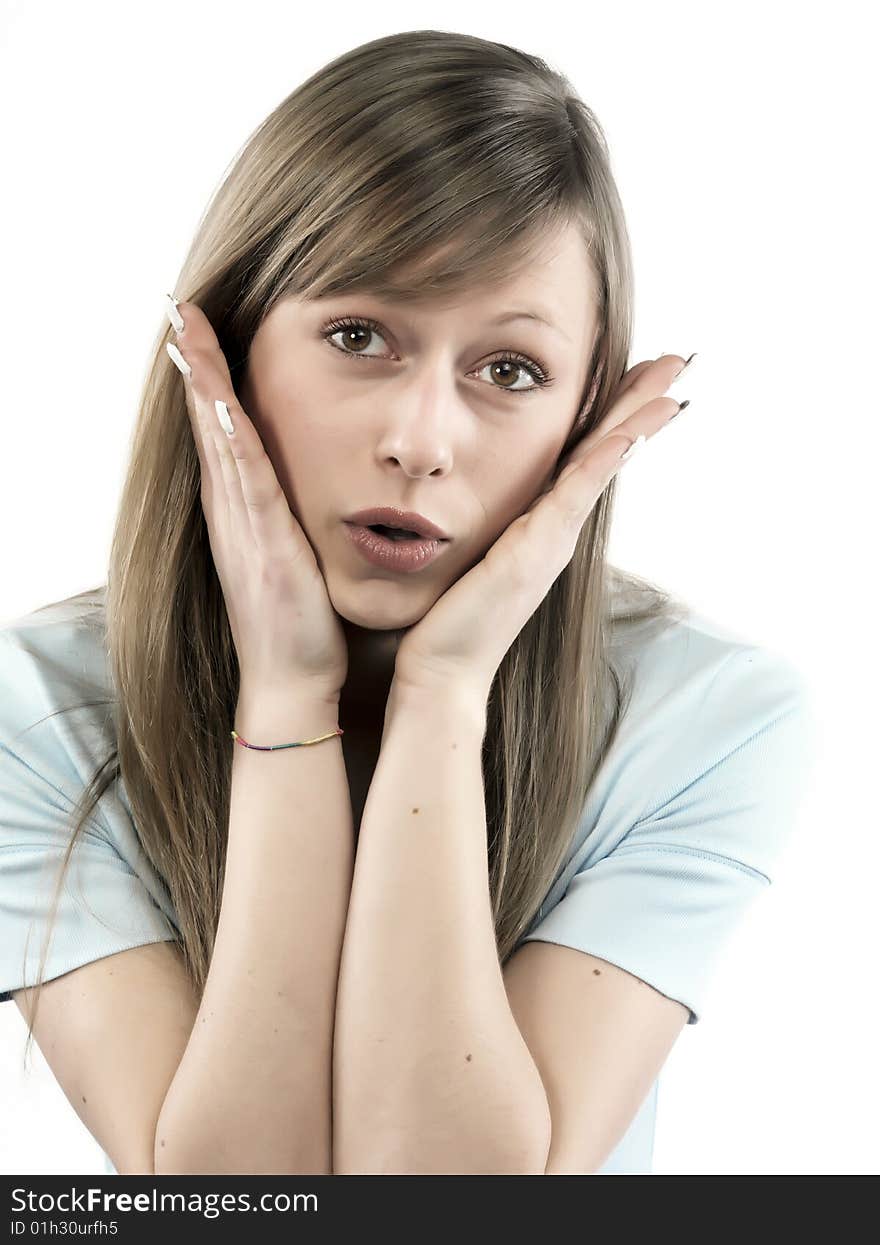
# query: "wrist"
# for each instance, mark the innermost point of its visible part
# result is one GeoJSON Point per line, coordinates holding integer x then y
{"type": "Point", "coordinates": [284, 714]}
{"type": "Point", "coordinates": [464, 701]}
{"type": "Point", "coordinates": [288, 692]}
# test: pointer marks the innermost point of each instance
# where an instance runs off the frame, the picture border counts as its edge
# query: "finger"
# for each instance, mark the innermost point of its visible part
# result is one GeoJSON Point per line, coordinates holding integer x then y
{"type": "Point", "coordinates": [624, 383]}
{"type": "Point", "coordinates": [209, 467]}
{"type": "Point", "coordinates": [521, 566]}
{"type": "Point", "coordinates": [581, 485]}
{"type": "Point", "coordinates": [632, 375]}
{"type": "Point", "coordinates": [256, 500]}
{"type": "Point", "coordinates": [637, 369]}
{"type": "Point", "coordinates": [642, 384]}
{"type": "Point", "coordinates": [541, 542]}
{"type": "Point", "coordinates": [272, 523]}
{"type": "Point", "coordinates": [599, 463]}
{"type": "Point", "coordinates": [211, 380]}
{"type": "Point", "coordinates": [213, 487]}
{"type": "Point", "coordinates": [226, 491]}
{"type": "Point", "coordinates": [649, 383]}
{"type": "Point", "coordinates": [629, 377]}
{"type": "Point", "coordinates": [534, 550]}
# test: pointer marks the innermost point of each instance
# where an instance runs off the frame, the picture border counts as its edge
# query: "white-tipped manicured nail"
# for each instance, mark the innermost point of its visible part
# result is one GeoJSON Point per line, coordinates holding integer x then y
{"type": "Point", "coordinates": [173, 314]}
{"type": "Point", "coordinates": [178, 359]}
{"type": "Point", "coordinates": [223, 415]}
{"type": "Point", "coordinates": [636, 445]}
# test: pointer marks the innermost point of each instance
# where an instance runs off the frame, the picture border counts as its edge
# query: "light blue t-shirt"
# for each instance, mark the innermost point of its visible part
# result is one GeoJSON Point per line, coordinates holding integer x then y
{"type": "Point", "coordinates": [680, 832]}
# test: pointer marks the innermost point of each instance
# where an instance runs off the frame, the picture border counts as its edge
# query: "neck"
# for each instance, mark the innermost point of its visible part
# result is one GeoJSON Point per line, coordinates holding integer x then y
{"type": "Point", "coordinates": [371, 656]}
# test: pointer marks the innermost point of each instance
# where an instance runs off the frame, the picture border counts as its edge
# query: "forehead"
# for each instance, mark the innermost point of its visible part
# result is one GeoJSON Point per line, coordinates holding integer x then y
{"type": "Point", "coordinates": [551, 281]}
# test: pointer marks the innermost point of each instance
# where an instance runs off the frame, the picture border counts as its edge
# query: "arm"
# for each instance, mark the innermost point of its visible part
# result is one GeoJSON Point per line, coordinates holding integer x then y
{"type": "Point", "coordinates": [252, 1093]}
{"type": "Point", "coordinates": [431, 1071]}
{"type": "Point", "coordinates": [431, 1074]}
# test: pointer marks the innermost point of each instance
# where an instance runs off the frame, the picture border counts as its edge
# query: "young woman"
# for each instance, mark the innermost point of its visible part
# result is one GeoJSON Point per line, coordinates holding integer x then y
{"type": "Point", "coordinates": [519, 800]}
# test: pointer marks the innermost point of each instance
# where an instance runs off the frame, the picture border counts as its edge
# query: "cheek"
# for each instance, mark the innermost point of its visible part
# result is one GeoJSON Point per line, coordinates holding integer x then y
{"type": "Point", "coordinates": [302, 460]}
{"type": "Point", "coordinates": [518, 481]}
{"type": "Point", "coordinates": [302, 448]}
{"type": "Point", "coordinates": [502, 501]}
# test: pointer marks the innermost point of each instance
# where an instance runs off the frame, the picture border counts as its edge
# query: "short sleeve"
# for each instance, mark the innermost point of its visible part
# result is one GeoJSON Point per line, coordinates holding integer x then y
{"type": "Point", "coordinates": [665, 901]}
{"type": "Point", "coordinates": [104, 906]}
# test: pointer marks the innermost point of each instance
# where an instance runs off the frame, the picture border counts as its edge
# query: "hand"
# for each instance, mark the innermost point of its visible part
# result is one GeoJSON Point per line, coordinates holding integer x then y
{"type": "Point", "coordinates": [283, 624]}
{"type": "Point", "coordinates": [466, 633]}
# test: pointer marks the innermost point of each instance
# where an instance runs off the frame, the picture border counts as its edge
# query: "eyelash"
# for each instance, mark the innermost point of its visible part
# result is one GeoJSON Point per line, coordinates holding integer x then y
{"type": "Point", "coordinates": [537, 370]}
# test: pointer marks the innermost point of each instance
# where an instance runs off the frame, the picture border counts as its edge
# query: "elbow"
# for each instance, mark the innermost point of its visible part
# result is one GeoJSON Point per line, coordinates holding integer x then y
{"type": "Point", "coordinates": [464, 1157]}
{"type": "Point", "coordinates": [214, 1165]}
{"type": "Point", "coordinates": [194, 1138]}
{"type": "Point", "coordinates": [210, 1157]}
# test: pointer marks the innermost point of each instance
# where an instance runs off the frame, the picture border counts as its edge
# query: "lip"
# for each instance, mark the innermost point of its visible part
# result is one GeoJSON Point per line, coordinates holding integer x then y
{"type": "Point", "coordinates": [390, 516]}
{"type": "Point", "coordinates": [393, 555]}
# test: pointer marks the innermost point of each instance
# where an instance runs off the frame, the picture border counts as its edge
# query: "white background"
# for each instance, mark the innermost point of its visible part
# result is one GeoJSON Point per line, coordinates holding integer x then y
{"type": "Point", "coordinates": [743, 141]}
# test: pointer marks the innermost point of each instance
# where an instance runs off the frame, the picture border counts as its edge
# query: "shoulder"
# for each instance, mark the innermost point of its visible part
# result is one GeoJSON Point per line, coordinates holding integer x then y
{"type": "Point", "coordinates": [57, 732]}
{"type": "Point", "coordinates": [696, 688]}
{"type": "Point", "coordinates": [57, 722]}
{"type": "Point", "coordinates": [692, 808]}
{"type": "Point", "coordinates": [56, 694]}
{"type": "Point", "coordinates": [711, 721]}
{"type": "Point", "coordinates": [54, 654]}
{"type": "Point", "coordinates": [675, 665]}
{"type": "Point", "coordinates": [57, 735]}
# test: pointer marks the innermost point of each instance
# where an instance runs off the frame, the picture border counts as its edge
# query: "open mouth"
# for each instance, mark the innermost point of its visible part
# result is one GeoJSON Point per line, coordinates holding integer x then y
{"type": "Point", "coordinates": [396, 533]}
{"type": "Point", "coordinates": [395, 548]}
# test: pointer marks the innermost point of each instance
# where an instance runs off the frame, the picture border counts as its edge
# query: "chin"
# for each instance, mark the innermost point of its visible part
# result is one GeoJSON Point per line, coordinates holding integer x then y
{"type": "Point", "coordinates": [378, 605]}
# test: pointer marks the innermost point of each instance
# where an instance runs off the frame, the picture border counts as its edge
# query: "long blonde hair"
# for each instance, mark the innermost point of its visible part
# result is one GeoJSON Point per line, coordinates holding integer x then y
{"type": "Point", "coordinates": [418, 165]}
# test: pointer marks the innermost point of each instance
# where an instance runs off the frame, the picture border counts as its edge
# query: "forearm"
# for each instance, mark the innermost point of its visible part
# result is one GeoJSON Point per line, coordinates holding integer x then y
{"type": "Point", "coordinates": [430, 1071]}
{"type": "Point", "coordinates": [253, 1090]}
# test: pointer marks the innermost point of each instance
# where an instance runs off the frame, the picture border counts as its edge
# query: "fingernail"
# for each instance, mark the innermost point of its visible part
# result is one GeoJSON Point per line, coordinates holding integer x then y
{"type": "Point", "coordinates": [636, 445]}
{"type": "Point", "coordinates": [223, 415]}
{"type": "Point", "coordinates": [178, 359]}
{"type": "Point", "coordinates": [687, 364]}
{"type": "Point", "coordinates": [173, 314]}
{"type": "Point", "coordinates": [686, 402]}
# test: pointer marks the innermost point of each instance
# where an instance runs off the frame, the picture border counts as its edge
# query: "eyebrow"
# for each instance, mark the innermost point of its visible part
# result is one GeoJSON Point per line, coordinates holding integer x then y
{"type": "Point", "coordinates": [529, 315]}
{"type": "Point", "coordinates": [504, 318]}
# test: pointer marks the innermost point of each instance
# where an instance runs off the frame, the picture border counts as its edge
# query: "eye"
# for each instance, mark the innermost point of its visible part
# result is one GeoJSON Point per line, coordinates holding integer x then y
{"type": "Point", "coordinates": [351, 328]}
{"type": "Point", "coordinates": [505, 364]}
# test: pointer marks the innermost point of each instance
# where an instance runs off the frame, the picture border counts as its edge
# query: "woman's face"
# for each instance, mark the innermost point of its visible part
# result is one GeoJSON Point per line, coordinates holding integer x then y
{"type": "Point", "coordinates": [422, 416]}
